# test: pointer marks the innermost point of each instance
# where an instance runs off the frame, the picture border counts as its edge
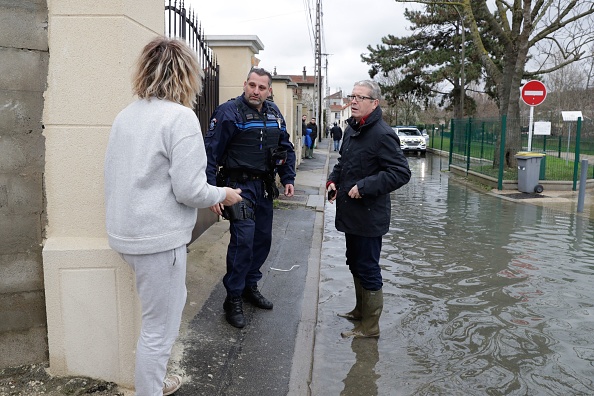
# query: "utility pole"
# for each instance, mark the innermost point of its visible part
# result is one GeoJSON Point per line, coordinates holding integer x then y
{"type": "Point", "coordinates": [318, 67]}
{"type": "Point", "coordinates": [327, 88]}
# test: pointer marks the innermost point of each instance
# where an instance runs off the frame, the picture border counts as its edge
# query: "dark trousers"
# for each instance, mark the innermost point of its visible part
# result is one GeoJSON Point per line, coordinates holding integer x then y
{"type": "Point", "coordinates": [250, 241]}
{"type": "Point", "coordinates": [362, 257]}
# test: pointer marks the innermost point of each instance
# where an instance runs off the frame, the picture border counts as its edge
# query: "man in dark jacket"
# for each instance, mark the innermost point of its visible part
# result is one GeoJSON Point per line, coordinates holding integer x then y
{"type": "Point", "coordinates": [371, 166]}
{"type": "Point", "coordinates": [336, 133]}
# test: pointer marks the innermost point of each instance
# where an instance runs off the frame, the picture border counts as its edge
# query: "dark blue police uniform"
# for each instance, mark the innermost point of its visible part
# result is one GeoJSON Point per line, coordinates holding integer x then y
{"type": "Point", "coordinates": [244, 142]}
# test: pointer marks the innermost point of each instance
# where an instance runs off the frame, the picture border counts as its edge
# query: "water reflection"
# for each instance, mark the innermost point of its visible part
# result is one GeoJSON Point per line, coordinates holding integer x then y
{"type": "Point", "coordinates": [482, 296]}
{"type": "Point", "coordinates": [362, 375]}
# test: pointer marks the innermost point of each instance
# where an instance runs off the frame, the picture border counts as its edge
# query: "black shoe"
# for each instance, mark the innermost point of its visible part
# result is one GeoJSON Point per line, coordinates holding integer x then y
{"type": "Point", "coordinates": [233, 307]}
{"type": "Point", "coordinates": [253, 296]}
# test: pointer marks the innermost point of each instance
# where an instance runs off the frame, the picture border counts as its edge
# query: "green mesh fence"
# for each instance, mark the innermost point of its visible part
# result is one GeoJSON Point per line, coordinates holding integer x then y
{"type": "Point", "coordinates": [474, 144]}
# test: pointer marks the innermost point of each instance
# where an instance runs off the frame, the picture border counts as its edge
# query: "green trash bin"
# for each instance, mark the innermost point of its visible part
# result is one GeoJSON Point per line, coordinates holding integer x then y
{"type": "Point", "coordinates": [529, 171]}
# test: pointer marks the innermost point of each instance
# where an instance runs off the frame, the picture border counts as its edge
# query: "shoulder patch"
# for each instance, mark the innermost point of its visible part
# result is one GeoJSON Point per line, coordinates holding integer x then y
{"type": "Point", "coordinates": [213, 124]}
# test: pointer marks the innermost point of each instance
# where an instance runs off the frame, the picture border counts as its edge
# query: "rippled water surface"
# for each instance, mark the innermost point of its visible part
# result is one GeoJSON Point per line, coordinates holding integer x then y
{"type": "Point", "coordinates": [482, 296]}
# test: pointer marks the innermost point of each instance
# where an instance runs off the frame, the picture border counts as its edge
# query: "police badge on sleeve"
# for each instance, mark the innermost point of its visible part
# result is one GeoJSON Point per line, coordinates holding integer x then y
{"type": "Point", "coordinates": [213, 124]}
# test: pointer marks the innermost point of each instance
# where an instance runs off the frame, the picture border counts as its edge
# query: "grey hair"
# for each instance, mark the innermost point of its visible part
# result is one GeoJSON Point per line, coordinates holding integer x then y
{"type": "Point", "coordinates": [376, 92]}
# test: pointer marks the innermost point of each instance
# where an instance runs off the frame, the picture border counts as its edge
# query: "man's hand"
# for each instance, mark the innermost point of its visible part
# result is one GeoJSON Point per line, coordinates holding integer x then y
{"type": "Point", "coordinates": [354, 192]}
{"type": "Point", "coordinates": [331, 195]}
{"type": "Point", "coordinates": [289, 190]}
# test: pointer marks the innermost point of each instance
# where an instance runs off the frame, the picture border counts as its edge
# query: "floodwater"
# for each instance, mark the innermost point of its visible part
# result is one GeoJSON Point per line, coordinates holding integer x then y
{"type": "Point", "coordinates": [482, 296]}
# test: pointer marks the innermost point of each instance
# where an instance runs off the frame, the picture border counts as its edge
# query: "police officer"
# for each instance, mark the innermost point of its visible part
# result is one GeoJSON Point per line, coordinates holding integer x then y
{"type": "Point", "coordinates": [247, 145]}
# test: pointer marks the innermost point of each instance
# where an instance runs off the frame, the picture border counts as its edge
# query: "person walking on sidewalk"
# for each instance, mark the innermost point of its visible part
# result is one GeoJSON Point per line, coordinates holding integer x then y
{"type": "Point", "coordinates": [305, 136]}
{"type": "Point", "coordinates": [314, 134]}
{"type": "Point", "coordinates": [370, 167]}
{"type": "Point", "coordinates": [336, 133]}
{"type": "Point", "coordinates": [247, 144]}
{"type": "Point", "coordinates": [154, 180]}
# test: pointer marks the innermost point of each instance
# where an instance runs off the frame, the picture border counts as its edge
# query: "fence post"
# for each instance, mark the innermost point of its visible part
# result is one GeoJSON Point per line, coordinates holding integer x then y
{"type": "Point", "coordinates": [482, 139]}
{"type": "Point", "coordinates": [468, 142]}
{"type": "Point", "coordinates": [502, 152]}
{"type": "Point", "coordinates": [451, 142]}
{"type": "Point", "coordinates": [576, 156]}
{"type": "Point", "coordinates": [582, 193]}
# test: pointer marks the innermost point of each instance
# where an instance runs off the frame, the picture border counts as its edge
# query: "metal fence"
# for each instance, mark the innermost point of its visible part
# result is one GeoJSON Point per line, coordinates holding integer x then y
{"type": "Point", "coordinates": [183, 24]}
{"type": "Point", "coordinates": [476, 144]}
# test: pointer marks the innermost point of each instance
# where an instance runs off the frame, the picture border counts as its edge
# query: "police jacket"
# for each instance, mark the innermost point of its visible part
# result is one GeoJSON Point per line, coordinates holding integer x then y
{"type": "Point", "coordinates": [371, 158]}
{"type": "Point", "coordinates": [240, 138]}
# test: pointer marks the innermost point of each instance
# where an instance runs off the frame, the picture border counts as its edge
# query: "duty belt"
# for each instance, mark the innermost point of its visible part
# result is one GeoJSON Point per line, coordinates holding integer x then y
{"type": "Point", "coordinates": [244, 176]}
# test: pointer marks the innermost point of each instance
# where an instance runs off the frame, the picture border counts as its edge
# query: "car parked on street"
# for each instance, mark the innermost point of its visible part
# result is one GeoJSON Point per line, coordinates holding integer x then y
{"type": "Point", "coordinates": [411, 139]}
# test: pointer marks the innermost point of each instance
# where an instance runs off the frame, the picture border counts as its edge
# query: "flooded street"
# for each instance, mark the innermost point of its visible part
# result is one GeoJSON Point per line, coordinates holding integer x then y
{"type": "Point", "coordinates": [482, 296]}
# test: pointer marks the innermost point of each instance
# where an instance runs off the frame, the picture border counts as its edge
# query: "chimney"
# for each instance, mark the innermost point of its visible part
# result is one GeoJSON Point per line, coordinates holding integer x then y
{"type": "Point", "coordinates": [304, 74]}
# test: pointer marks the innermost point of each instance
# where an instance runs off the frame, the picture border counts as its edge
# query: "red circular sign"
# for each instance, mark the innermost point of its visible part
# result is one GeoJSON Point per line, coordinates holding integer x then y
{"type": "Point", "coordinates": [534, 93]}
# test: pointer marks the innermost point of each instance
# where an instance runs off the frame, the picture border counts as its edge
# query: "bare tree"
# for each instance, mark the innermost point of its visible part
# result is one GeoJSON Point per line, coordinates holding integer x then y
{"type": "Point", "coordinates": [403, 106]}
{"type": "Point", "coordinates": [528, 31]}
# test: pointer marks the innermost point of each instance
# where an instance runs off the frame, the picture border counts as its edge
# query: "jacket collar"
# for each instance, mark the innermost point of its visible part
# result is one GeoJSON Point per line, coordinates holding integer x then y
{"type": "Point", "coordinates": [371, 119]}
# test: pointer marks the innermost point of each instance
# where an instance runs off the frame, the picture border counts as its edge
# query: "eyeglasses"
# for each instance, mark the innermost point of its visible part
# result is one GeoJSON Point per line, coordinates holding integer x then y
{"type": "Point", "coordinates": [358, 98]}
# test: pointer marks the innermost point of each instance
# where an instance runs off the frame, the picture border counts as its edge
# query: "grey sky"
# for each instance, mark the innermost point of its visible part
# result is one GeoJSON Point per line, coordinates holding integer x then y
{"type": "Point", "coordinates": [283, 27]}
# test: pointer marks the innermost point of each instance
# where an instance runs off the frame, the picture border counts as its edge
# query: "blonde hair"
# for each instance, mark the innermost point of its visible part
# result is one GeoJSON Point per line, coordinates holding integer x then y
{"type": "Point", "coordinates": [168, 69]}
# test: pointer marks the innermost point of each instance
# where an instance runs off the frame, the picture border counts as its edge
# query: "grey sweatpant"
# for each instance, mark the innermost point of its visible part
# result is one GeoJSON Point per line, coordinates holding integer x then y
{"type": "Point", "coordinates": [161, 286]}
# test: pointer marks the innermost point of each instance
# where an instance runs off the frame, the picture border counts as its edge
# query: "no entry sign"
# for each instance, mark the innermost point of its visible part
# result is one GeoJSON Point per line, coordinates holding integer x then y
{"type": "Point", "coordinates": [534, 93]}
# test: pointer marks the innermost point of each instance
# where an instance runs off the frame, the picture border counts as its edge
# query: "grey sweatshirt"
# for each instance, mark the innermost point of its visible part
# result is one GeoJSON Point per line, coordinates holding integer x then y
{"type": "Point", "coordinates": [155, 177]}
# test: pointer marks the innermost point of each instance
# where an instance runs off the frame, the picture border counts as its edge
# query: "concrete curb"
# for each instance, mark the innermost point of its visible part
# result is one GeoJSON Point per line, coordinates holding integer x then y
{"type": "Point", "coordinates": [301, 369]}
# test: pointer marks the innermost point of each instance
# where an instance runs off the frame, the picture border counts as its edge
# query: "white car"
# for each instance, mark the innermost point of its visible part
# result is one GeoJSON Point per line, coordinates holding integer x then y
{"type": "Point", "coordinates": [411, 139]}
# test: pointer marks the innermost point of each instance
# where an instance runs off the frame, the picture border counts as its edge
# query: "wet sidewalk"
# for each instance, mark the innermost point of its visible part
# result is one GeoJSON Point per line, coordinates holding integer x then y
{"type": "Point", "coordinates": [273, 354]}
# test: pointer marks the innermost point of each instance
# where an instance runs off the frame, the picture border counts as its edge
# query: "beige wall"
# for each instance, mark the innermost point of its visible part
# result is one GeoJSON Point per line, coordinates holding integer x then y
{"type": "Point", "coordinates": [236, 56]}
{"type": "Point", "coordinates": [92, 307]}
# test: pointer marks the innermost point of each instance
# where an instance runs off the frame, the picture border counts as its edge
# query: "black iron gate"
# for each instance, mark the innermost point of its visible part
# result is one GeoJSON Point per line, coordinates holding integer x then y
{"type": "Point", "coordinates": [183, 24]}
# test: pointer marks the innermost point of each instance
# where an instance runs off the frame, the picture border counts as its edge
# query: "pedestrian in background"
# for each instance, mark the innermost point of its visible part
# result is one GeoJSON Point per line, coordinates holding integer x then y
{"type": "Point", "coordinates": [370, 167]}
{"type": "Point", "coordinates": [154, 180]}
{"type": "Point", "coordinates": [314, 134]}
{"type": "Point", "coordinates": [306, 142]}
{"type": "Point", "coordinates": [336, 133]}
{"type": "Point", "coordinates": [247, 145]}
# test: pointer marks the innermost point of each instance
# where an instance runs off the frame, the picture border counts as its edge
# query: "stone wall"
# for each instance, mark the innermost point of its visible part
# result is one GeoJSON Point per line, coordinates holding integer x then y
{"type": "Point", "coordinates": [23, 79]}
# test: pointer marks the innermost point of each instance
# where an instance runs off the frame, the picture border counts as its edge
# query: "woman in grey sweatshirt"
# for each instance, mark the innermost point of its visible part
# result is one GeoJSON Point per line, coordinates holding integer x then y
{"type": "Point", "coordinates": [154, 181]}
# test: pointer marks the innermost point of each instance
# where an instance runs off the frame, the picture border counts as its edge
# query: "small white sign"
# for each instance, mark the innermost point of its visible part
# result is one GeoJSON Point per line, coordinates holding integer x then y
{"type": "Point", "coordinates": [571, 115]}
{"type": "Point", "coordinates": [542, 128]}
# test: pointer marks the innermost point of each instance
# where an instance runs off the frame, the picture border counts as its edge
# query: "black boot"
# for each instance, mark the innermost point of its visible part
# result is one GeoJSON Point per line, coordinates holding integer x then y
{"type": "Point", "coordinates": [233, 307]}
{"type": "Point", "coordinates": [253, 296]}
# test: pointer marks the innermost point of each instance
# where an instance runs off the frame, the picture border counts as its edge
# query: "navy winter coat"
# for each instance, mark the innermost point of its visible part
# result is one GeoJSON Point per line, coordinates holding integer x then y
{"type": "Point", "coordinates": [370, 156]}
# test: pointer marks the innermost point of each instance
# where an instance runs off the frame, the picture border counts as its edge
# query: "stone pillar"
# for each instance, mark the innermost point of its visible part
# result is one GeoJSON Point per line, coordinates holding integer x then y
{"type": "Point", "coordinates": [282, 89]}
{"type": "Point", "coordinates": [92, 310]}
{"type": "Point", "coordinates": [236, 56]}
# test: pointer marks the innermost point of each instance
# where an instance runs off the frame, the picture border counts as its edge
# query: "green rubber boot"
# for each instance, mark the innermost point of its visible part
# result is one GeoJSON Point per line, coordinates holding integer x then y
{"type": "Point", "coordinates": [371, 309]}
{"type": "Point", "coordinates": [355, 314]}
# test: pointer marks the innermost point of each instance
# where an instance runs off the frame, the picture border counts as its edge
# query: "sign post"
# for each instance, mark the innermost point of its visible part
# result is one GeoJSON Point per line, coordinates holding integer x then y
{"type": "Point", "coordinates": [533, 93]}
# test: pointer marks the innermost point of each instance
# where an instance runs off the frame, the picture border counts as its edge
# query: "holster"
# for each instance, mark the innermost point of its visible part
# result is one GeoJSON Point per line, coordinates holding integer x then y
{"type": "Point", "coordinates": [240, 211]}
